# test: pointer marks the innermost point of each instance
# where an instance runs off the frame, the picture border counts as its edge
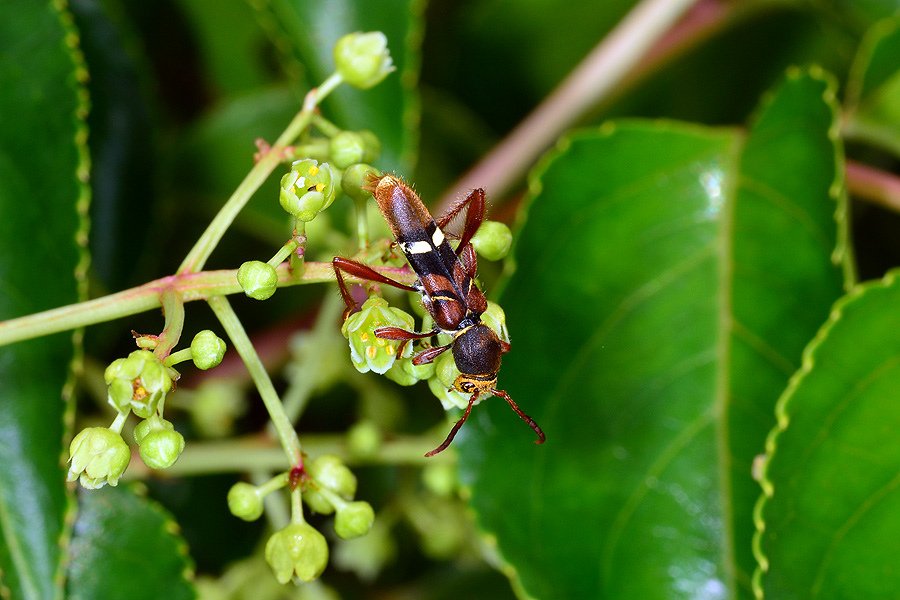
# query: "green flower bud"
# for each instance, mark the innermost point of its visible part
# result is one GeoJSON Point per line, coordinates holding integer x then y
{"type": "Point", "coordinates": [161, 448]}
{"type": "Point", "coordinates": [245, 502]}
{"type": "Point", "coordinates": [215, 406]}
{"type": "Point", "coordinates": [367, 351]}
{"type": "Point", "coordinates": [149, 425]}
{"type": "Point", "coordinates": [363, 59]}
{"type": "Point", "coordinates": [347, 148]}
{"type": "Point", "coordinates": [330, 472]}
{"type": "Point", "coordinates": [440, 478]}
{"type": "Point", "coordinates": [258, 279]}
{"type": "Point", "coordinates": [441, 385]}
{"type": "Point", "coordinates": [97, 456]}
{"type": "Point", "coordinates": [364, 439]}
{"type": "Point", "coordinates": [207, 349]}
{"type": "Point", "coordinates": [372, 145]}
{"type": "Point", "coordinates": [495, 318]}
{"type": "Point", "coordinates": [354, 519]}
{"type": "Point", "coordinates": [355, 178]}
{"type": "Point", "coordinates": [404, 372]}
{"type": "Point", "coordinates": [308, 189]}
{"type": "Point", "coordinates": [298, 551]}
{"type": "Point", "coordinates": [492, 240]}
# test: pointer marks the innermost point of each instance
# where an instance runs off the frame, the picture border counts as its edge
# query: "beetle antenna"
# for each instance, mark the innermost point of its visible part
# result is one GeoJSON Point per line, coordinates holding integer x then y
{"type": "Point", "coordinates": [523, 416]}
{"type": "Point", "coordinates": [446, 443]}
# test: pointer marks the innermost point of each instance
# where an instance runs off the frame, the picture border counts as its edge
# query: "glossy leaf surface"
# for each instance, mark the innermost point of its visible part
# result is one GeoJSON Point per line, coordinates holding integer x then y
{"type": "Point", "coordinates": [42, 166]}
{"type": "Point", "coordinates": [125, 546]}
{"type": "Point", "coordinates": [666, 282]}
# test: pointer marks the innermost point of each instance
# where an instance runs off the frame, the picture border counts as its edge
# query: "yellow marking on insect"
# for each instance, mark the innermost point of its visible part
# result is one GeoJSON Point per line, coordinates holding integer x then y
{"type": "Point", "coordinates": [371, 351]}
{"type": "Point", "coordinates": [313, 170]}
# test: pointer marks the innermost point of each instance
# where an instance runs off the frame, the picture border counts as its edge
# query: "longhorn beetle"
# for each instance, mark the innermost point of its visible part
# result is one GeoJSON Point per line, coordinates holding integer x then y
{"type": "Point", "coordinates": [446, 282]}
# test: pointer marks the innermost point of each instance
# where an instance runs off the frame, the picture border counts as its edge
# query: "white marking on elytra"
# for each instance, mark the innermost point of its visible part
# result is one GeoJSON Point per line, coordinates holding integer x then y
{"type": "Point", "coordinates": [437, 237]}
{"type": "Point", "coordinates": [418, 247]}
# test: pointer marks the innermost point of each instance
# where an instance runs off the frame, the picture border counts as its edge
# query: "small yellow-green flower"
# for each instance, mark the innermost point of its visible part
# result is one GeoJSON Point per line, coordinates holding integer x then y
{"type": "Point", "coordinates": [367, 351]}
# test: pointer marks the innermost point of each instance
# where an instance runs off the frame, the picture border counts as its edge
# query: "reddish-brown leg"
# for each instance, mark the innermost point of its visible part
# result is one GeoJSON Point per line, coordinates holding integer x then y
{"type": "Point", "coordinates": [446, 443]}
{"type": "Point", "coordinates": [360, 271]}
{"type": "Point", "coordinates": [428, 355]}
{"type": "Point", "coordinates": [396, 333]}
{"type": "Point", "coordinates": [469, 260]}
{"type": "Point", "coordinates": [523, 416]}
{"type": "Point", "coordinates": [475, 206]}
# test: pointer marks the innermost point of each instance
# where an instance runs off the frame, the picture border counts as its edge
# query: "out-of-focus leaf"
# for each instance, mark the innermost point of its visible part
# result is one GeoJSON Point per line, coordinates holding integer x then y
{"type": "Point", "coordinates": [123, 173]}
{"type": "Point", "coordinates": [390, 109]}
{"type": "Point", "coordinates": [829, 523]}
{"type": "Point", "coordinates": [873, 91]}
{"type": "Point", "coordinates": [125, 546]}
{"type": "Point", "coordinates": [43, 199]}
{"type": "Point", "coordinates": [232, 43]}
{"type": "Point", "coordinates": [860, 14]}
{"type": "Point", "coordinates": [666, 282]}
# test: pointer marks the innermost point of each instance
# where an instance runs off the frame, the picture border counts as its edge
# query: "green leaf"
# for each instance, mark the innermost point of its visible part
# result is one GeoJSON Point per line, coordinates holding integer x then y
{"type": "Point", "coordinates": [125, 546]}
{"type": "Point", "coordinates": [232, 43]}
{"type": "Point", "coordinates": [391, 108]}
{"type": "Point", "coordinates": [122, 136]}
{"type": "Point", "coordinates": [873, 90]}
{"type": "Point", "coordinates": [829, 520]}
{"type": "Point", "coordinates": [43, 199]}
{"type": "Point", "coordinates": [666, 282]}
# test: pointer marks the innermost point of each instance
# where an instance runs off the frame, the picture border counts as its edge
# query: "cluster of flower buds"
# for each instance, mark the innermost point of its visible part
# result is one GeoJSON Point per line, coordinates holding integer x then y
{"type": "Point", "coordinates": [299, 551]}
{"type": "Point", "coordinates": [138, 384]}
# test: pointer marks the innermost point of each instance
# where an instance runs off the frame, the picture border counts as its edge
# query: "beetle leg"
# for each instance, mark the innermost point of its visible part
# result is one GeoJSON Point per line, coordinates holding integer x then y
{"type": "Point", "coordinates": [522, 415]}
{"type": "Point", "coordinates": [474, 204]}
{"type": "Point", "coordinates": [360, 271]}
{"type": "Point", "coordinates": [428, 355]}
{"type": "Point", "coordinates": [456, 427]}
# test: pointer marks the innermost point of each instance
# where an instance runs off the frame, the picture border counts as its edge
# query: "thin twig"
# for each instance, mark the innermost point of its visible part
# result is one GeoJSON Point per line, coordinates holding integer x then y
{"type": "Point", "coordinates": [592, 80]}
{"type": "Point", "coordinates": [873, 185]}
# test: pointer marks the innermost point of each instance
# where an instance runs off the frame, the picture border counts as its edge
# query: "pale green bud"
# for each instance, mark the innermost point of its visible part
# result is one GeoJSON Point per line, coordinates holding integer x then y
{"type": "Point", "coordinates": [97, 456]}
{"type": "Point", "coordinates": [363, 59]}
{"type": "Point", "coordinates": [207, 349]}
{"type": "Point", "coordinates": [259, 280]}
{"type": "Point", "coordinates": [354, 519]}
{"type": "Point", "coordinates": [297, 551]}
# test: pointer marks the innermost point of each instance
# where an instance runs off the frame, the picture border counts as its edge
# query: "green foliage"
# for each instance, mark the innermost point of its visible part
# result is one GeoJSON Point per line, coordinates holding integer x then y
{"type": "Point", "coordinates": [717, 391]}
{"type": "Point", "coordinates": [43, 169]}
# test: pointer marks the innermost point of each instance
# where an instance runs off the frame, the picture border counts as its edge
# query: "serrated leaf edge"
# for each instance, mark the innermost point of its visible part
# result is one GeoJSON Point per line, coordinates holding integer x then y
{"type": "Point", "coordinates": [782, 409]}
{"type": "Point", "coordinates": [82, 207]}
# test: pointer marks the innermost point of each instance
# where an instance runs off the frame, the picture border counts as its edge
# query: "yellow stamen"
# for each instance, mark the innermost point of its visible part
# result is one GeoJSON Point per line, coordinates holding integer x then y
{"type": "Point", "coordinates": [320, 187]}
{"type": "Point", "coordinates": [371, 351]}
{"type": "Point", "coordinates": [313, 170]}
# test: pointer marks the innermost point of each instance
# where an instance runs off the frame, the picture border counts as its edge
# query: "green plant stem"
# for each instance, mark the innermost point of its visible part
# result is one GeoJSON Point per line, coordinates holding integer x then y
{"type": "Point", "coordinates": [258, 453]}
{"type": "Point", "coordinates": [289, 441]}
{"type": "Point", "coordinates": [181, 356]}
{"type": "Point", "coordinates": [173, 309]}
{"type": "Point", "coordinates": [277, 512]}
{"type": "Point", "coordinates": [196, 258]}
{"type": "Point", "coordinates": [325, 126]}
{"type": "Point", "coordinates": [189, 286]}
{"type": "Point", "coordinates": [296, 506]}
{"type": "Point", "coordinates": [284, 252]}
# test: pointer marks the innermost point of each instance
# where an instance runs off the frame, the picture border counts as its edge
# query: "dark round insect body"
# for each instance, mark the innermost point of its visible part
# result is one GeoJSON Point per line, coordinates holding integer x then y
{"type": "Point", "coordinates": [477, 351]}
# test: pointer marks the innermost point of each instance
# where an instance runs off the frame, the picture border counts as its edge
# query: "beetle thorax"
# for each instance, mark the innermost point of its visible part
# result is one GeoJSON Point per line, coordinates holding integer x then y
{"type": "Point", "coordinates": [477, 350]}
